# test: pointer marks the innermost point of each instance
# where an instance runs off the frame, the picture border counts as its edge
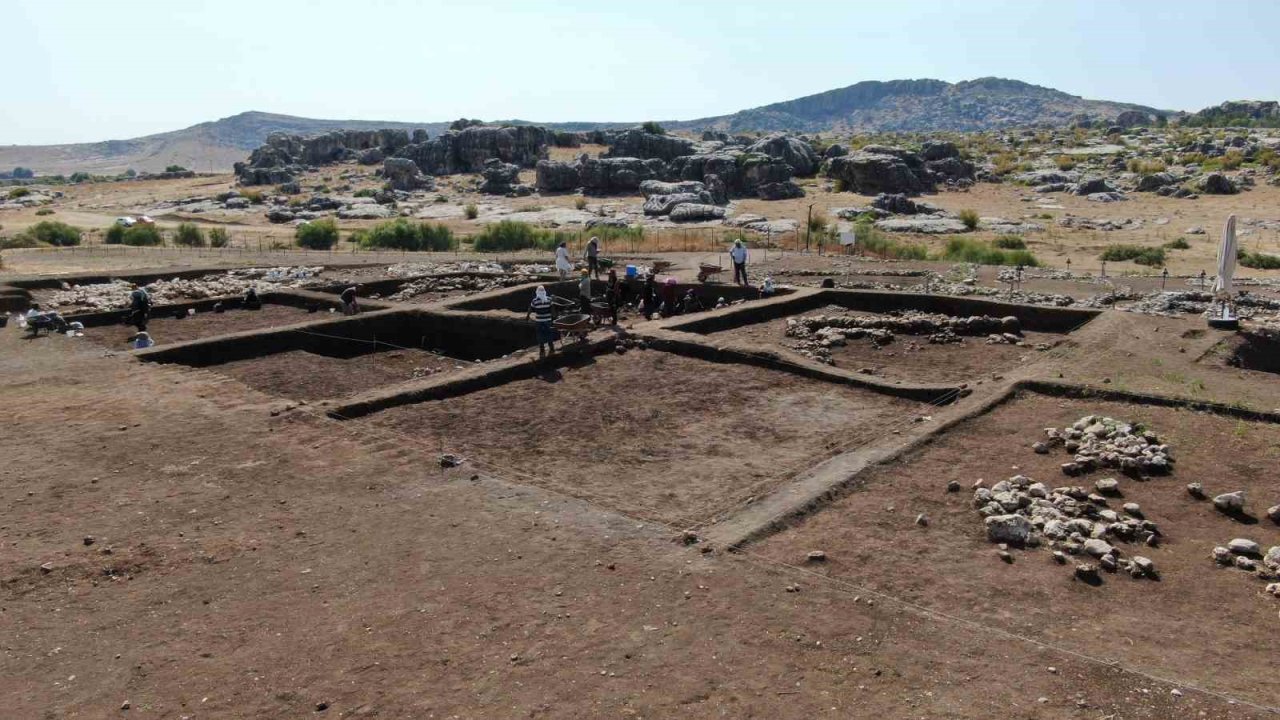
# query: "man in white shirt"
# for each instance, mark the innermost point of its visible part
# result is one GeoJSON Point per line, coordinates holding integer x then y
{"type": "Point", "coordinates": [738, 253]}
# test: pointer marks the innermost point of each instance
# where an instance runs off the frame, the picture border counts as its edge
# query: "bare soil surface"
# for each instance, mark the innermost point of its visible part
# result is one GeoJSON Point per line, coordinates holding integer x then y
{"type": "Point", "coordinates": [303, 375]}
{"type": "Point", "coordinates": [165, 329]}
{"type": "Point", "coordinates": [909, 358]}
{"type": "Point", "coordinates": [1199, 623]}
{"type": "Point", "coordinates": [653, 434]}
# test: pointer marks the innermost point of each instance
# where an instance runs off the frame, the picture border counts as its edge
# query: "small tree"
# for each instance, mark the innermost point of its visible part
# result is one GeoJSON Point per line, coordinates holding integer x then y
{"type": "Point", "coordinates": [189, 234]}
{"type": "Point", "coordinates": [174, 169]}
{"type": "Point", "coordinates": [318, 235]}
{"type": "Point", "coordinates": [142, 236]}
{"type": "Point", "coordinates": [21, 173]}
{"type": "Point", "coordinates": [653, 128]}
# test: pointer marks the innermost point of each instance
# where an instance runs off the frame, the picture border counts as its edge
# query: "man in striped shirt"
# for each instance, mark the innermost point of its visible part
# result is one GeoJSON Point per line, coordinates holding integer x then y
{"type": "Point", "coordinates": [543, 313]}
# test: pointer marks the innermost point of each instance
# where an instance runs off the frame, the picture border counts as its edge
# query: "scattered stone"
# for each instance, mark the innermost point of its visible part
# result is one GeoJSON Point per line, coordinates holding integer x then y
{"type": "Point", "coordinates": [922, 520]}
{"type": "Point", "coordinates": [1087, 572]}
{"type": "Point", "coordinates": [1013, 529]}
{"type": "Point", "coordinates": [448, 460]}
{"type": "Point", "coordinates": [1244, 546]}
{"type": "Point", "coordinates": [1098, 548]}
{"type": "Point", "coordinates": [1005, 555]}
{"type": "Point", "coordinates": [1195, 490]}
{"type": "Point", "coordinates": [1108, 486]}
{"type": "Point", "coordinates": [1273, 513]}
{"type": "Point", "coordinates": [816, 556]}
{"type": "Point", "coordinates": [89, 540]}
{"type": "Point", "coordinates": [1246, 563]}
{"type": "Point", "coordinates": [953, 486]}
{"type": "Point", "coordinates": [1231, 503]}
{"type": "Point", "coordinates": [1143, 566]}
{"type": "Point", "coordinates": [1272, 558]}
{"type": "Point", "coordinates": [1133, 509]}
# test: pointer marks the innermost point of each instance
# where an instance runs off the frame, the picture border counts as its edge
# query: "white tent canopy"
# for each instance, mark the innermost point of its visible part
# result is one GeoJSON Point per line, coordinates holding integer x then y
{"type": "Point", "coordinates": [1226, 258]}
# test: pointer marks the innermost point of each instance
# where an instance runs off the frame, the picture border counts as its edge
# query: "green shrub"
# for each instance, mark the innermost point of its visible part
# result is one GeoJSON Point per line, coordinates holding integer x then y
{"type": "Point", "coordinates": [254, 196]}
{"type": "Point", "coordinates": [654, 128]}
{"type": "Point", "coordinates": [580, 203]}
{"type": "Point", "coordinates": [1258, 261]}
{"type": "Point", "coordinates": [52, 232]}
{"type": "Point", "coordinates": [1149, 256]}
{"type": "Point", "coordinates": [1232, 160]}
{"type": "Point", "coordinates": [174, 169]}
{"type": "Point", "coordinates": [437, 238]}
{"type": "Point", "coordinates": [818, 222]}
{"type": "Point", "coordinates": [189, 234]}
{"type": "Point", "coordinates": [21, 240]}
{"type": "Point", "coordinates": [506, 236]}
{"type": "Point", "coordinates": [975, 251]}
{"type": "Point", "coordinates": [18, 192]}
{"type": "Point", "coordinates": [114, 235]}
{"type": "Point", "coordinates": [365, 192]}
{"type": "Point", "coordinates": [1065, 162]}
{"type": "Point", "coordinates": [969, 218]}
{"type": "Point", "coordinates": [142, 236]}
{"type": "Point", "coordinates": [1179, 244]}
{"type": "Point", "coordinates": [79, 177]}
{"type": "Point", "coordinates": [44, 211]}
{"type": "Point", "coordinates": [318, 235]}
{"type": "Point", "coordinates": [869, 240]}
{"type": "Point", "coordinates": [1010, 242]}
{"type": "Point", "coordinates": [218, 238]}
{"type": "Point", "coordinates": [471, 211]}
{"type": "Point", "coordinates": [400, 234]}
{"type": "Point", "coordinates": [1145, 167]}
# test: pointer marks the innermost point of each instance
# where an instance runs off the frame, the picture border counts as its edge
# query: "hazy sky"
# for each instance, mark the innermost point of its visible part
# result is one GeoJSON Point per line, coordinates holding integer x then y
{"type": "Point", "coordinates": [91, 70]}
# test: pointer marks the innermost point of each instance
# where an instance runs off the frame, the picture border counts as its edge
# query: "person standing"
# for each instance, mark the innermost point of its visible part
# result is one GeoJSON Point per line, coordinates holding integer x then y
{"type": "Point", "coordinates": [738, 253]}
{"type": "Point", "coordinates": [563, 265]}
{"type": "Point", "coordinates": [544, 313]}
{"type": "Point", "coordinates": [649, 297]}
{"type": "Point", "coordinates": [139, 307]}
{"type": "Point", "coordinates": [593, 257]}
{"type": "Point", "coordinates": [349, 304]}
{"type": "Point", "coordinates": [584, 293]}
{"type": "Point", "coordinates": [614, 294]}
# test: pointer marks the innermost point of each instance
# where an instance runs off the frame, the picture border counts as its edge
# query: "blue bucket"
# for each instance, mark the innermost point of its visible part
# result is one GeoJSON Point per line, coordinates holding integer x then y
{"type": "Point", "coordinates": [631, 272]}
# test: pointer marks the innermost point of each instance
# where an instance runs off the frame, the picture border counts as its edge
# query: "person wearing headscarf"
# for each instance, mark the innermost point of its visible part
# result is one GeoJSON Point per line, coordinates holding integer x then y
{"type": "Point", "coordinates": [670, 298]}
{"type": "Point", "coordinates": [139, 307]}
{"type": "Point", "coordinates": [738, 253]}
{"type": "Point", "coordinates": [544, 313]}
{"type": "Point", "coordinates": [767, 289]}
{"type": "Point", "coordinates": [563, 265]}
{"type": "Point", "coordinates": [142, 341]}
{"type": "Point", "coordinates": [691, 303]}
{"type": "Point", "coordinates": [251, 300]}
{"type": "Point", "coordinates": [593, 257]}
{"type": "Point", "coordinates": [348, 297]}
{"type": "Point", "coordinates": [615, 294]}
{"type": "Point", "coordinates": [584, 293]}
{"type": "Point", "coordinates": [648, 297]}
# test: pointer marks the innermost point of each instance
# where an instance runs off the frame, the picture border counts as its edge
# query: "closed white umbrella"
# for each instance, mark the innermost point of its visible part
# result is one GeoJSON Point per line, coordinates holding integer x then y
{"type": "Point", "coordinates": [1226, 258]}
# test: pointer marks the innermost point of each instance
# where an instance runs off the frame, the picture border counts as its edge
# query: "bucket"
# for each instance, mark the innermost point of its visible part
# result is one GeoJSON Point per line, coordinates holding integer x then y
{"type": "Point", "coordinates": [631, 272]}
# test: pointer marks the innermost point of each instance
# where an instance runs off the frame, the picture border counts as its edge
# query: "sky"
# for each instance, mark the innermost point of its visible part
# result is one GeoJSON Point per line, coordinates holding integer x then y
{"type": "Point", "coordinates": [90, 70]}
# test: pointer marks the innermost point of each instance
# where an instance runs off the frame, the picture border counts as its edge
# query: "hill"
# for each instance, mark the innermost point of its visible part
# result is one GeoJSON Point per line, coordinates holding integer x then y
{"type": "Point", "coordinates": [1238, 113]}
{"type": "Point", "coordinates": [896, 105]}
{"type": "Point", "coordinates": [920, 105]}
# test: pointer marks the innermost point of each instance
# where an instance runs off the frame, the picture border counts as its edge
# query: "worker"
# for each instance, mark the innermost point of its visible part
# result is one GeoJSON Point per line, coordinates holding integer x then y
{"type": "Point", "coordinates": [348, 297]}
{"type": "Point", "coordinates": [563, 265]}
{"type": "Point", "coordinates": [738, 253]}
{"type": "Point", "coordinates": [142, 341]}
{"type": "Point", "coordinates": [615, 294]}
{"type": "Point", "coordinates": [251, 300]}
{"type": "Point", "coordinates": [544, 313]}
{"type": "Point", "coordinates": [139, 307]}
{"type": "Point", "coordinates": [593, 257]}
{"type": "Point", "coordinates": [670, 298]}
{"type": "Point", "coordinates": [767, 289]}
{"type": "Point", "coordinates": [584, 293]}
{"type": "Point", "coordinates": [648, 297]}
{"type": "Point", "coordinates": [691, 303]}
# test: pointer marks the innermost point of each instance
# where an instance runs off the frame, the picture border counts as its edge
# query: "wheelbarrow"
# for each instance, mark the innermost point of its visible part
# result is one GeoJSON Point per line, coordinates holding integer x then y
{"type": "Point", "coordinates": [576, 325]}
{"type": "Point", "coordinates": [707, 273]}
{"type": "Point", "coordinates": [661, 266]}
{"type": "Point", "coordinates": [601, 312]}
{"type": "Point", "coordinates": [48, 322]}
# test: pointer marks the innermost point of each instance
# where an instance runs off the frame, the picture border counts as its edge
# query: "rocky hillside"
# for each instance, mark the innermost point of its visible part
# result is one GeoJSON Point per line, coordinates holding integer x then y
{"type": "Point", "coordinates": [1238, 113]}
{"type": "Point", "coordinates": [208, 146]}
{"type": "Point", "coordinates": [921, 105]}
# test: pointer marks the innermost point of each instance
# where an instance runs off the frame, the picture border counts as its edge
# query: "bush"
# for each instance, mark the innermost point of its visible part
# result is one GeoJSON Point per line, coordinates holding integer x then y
{"type": "Point", "coordinates": [218, 238]}
{"type": "Point", "coordinates": [506, 236]}
{"type": "Point", "coordinates": [189, 234]}
{"type": "Point", "coordinates": [21, 173]}
{"type": "Point", "coordinates": [1010, 242]}
{"type": "Point", "coordinates": [653, 128]}
{"type": "Point", "coordinates": [1149, 256]}
{"type": "Point", "coordinates": [1232, 160]}
{"type": "Point", "coordinates": [51, 232]}
{"type": "Point", "coordinates": [365, 192]}
{"type": "Point", "coordinates": [174, 169]}
{"type": "Point", "coordinates": [969, 218]}
{"type": "Point", "coordinates": [818, 222]}
{"type": "Point", "coordinates": [21, 240]}
{"type": "Point", "coordinates": [44, 211]}
{"type": "Point", "coordinates": [1145, 167]}
{"type": "Point", "coordinates": [318, 235]}
{"type": "Point", "coordinates": [1179, 244]}
{"type": "Point", "coordinates": [975, 251]}
{"type": "Point", "coordinates": [114, 235]}
{"type": "Point", "coordinates": [79, 177]}
{"type": "Point", "coordinates": [141, 236]}
{"type": "Point", "coordinates": [18, 192]}
{"type": "Point", "coordinates": [254, 196]}
{"type": "Point", "coordinates": [580, 203]}
{"type": "Point", "coordinates": [1065, 162]}
{"type": "Point", "coordinates": [1004, 163]}
{"type": "Point", "coordinates": [401, 234]}
{"type": "Point", "coordinates": [471, 211]}
{"type": "Point", "coordinates": [1258, 261]}
{"type": "Point", "coordinates": [437, 238]}
{"type": "Point", "coordinates": [869, 240]}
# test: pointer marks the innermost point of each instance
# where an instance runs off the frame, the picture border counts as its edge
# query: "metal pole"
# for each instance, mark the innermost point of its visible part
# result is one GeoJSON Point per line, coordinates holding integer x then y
{"type": "Point", "coordinates": [808, 229]}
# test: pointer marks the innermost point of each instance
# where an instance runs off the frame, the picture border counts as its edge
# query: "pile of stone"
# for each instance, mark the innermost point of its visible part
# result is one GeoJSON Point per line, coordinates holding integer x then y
{"type": "Point", "coordinates": [114, 295]}
{"type": "Point", "coordinates": [1071, 520]}
{"type": "Point", "coordinates": [815, 335]}
{"type": "Point", "coordinates": [1096, 442]}
{"type": "Point", "coordinates": [1247, 555]}
{"type": "Point", "coordinates": [461, 284]}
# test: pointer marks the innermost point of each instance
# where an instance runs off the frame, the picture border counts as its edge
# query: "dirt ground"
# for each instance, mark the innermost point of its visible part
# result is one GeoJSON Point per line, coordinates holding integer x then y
{"type": "Point", "coordinates": [909, 358]}
{"type": "Point", "coordinates": [303, 375]}
{"type": "Point", "coordinates": [165, 329]}
{"type": "Point", "coordinates": [653, 434]}
{"type": "Point", "coordinates": [1199, 623]}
